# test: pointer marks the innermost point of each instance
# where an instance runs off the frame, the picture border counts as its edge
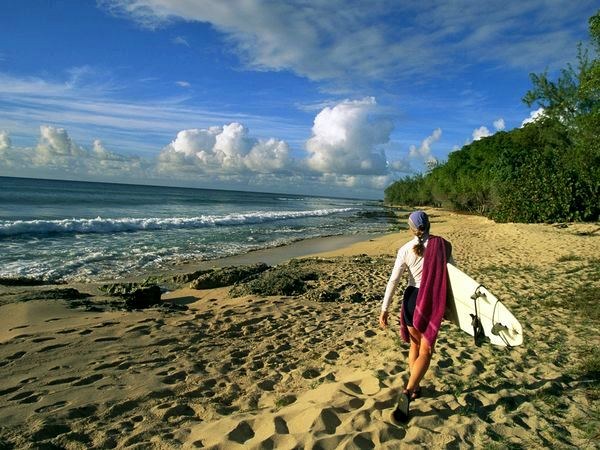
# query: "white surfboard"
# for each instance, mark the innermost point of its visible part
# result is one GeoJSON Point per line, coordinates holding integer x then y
{"type": "Point", "coordinates": [470, 298]}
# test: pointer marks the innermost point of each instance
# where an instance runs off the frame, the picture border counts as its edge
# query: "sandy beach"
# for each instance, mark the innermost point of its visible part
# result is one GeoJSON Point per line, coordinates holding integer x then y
{"type": "Point", "coordinates": [225, 368]}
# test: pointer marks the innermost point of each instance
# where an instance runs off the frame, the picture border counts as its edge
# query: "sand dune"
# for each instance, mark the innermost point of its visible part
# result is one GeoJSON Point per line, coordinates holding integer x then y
{"type": "Point", "coordinates": [293, 372]}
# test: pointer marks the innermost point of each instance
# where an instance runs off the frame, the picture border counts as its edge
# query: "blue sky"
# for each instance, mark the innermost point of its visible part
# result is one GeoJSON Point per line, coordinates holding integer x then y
{"type": "Point", "coordinates": [314, 97]}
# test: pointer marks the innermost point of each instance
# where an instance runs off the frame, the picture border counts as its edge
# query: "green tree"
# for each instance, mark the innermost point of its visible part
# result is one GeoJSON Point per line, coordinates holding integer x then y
{"type": "Point", "coordinates": [548, 170]}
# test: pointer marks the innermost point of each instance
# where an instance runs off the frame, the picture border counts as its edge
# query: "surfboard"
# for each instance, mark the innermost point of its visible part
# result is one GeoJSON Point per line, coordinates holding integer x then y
{"type": "Point", "coordinates": [478, 312]}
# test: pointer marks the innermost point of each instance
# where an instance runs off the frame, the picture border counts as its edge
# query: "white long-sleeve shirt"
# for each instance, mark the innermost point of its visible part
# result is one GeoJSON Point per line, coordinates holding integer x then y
{"type": "Point", "coordinates": [405, 259]}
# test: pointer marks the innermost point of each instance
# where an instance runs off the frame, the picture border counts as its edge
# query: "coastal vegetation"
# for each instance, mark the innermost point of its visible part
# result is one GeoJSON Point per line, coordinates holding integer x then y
{"type": "Point", "coordinates": [546, 171]}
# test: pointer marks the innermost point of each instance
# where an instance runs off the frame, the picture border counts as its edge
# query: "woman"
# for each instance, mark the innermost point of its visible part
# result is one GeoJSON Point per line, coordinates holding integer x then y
{"type": "Point", "coordinates": [423, 303]}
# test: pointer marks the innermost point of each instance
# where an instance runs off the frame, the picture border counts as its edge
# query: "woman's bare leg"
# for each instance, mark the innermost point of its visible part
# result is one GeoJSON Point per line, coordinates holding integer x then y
{"type": "Point", "coordinates": [413, 353]}
{"type": "Point", "coordinates": [420, 364]}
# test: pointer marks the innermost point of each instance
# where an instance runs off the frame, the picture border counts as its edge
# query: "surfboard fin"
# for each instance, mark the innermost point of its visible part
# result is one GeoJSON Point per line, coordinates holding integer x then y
{"type": "Point", "coordinates": [478, 333]}
{"type": "Point", "coordinates": [497, 328]}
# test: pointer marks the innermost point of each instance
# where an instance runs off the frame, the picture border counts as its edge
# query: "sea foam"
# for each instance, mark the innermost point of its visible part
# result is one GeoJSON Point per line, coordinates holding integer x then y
{"type": "Point", "coordinates": [128, 224]}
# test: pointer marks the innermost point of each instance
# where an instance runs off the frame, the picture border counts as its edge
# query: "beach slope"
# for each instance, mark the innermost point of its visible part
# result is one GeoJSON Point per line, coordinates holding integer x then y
{"type": "Point", "coordinates": [216, 368]}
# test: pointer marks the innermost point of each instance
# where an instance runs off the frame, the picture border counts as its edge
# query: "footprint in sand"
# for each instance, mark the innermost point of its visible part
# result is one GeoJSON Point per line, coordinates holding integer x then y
{"type": "Point", "coordinates": [49, 430]}
{"type": "Point", "coordinates": [51, 408]}
{"type": "Point", "coordinates": [42, 339]}
{"type": "Point", "coordinates": [107, 339]}
{"type": "Point", "coordinates": [179, 412]}
{"type": "Point", "coordinates": [9, 390]}
{"type": "Point", "coordinates": [61, 381]}
{"type": "Point", "coordinates": [107, 365]}
{"type": "Point", "coordinates": [26, 397]}
{"type": "Point", "coordinates": [51, 347]}
{"type": "Point", "coordinates": [88, 380]}
{"type": "Point", "coordinates": [138, 329]}
{"type": "Point", "coordinates": [242, 433]}
{"type": "Point", "coordinates": [82, 412]}
{"type": "Point", "coordinates": [174, 378]}
{"type": "Point", "coordinates": [332, 356]}
{"type": "Point", "coordinates": [120, 409]}
{"type": "Point", "coordinates": [67, 331]}
{"type": "Point", "coordinates": [311, 373]}
{"type": "Point", "coordinates": [106, 324]}
{"type": "Point", "coordinates": [16, 356]}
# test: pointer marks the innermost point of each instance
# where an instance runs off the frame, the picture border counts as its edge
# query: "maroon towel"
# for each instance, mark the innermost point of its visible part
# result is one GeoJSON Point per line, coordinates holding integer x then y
{"type": "Point", "coordinates": [431, 299]}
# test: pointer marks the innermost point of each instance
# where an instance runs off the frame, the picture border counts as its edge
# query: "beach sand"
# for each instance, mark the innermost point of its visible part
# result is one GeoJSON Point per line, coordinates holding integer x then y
{"type": "Point", "coordinates": [286, 372]}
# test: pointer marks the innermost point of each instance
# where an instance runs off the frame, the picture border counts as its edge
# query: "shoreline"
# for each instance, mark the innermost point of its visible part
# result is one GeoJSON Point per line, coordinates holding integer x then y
{"type": "Point", "coordinates": [307, 370]}
{"type": "Point", "coordinates": [273, 255]}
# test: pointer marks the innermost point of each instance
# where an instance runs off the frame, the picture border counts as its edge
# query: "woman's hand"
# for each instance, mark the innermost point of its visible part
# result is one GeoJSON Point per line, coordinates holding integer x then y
{"type": "Point", "coordinates": [383, 319]}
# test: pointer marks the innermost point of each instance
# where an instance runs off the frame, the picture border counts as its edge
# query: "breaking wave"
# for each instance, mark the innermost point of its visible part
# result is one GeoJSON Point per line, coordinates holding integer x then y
{"type": "Point", "coordinates": [123, 225]}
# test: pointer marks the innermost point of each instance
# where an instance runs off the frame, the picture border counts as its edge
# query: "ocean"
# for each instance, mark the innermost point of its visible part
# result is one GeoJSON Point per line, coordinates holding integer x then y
{"type": "Point", "coordinates": [82, 231]}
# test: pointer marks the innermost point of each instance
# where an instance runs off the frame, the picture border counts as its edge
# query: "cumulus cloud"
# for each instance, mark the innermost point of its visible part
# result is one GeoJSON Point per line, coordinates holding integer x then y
{"type": "Point", "coordinates": [480, 133]}
{"type": "Point", "coordinates": [5, 142]}
{"type": "Point", "coordinates": [346, 140]}
{"type": "Point", "coordinates": [533, 116]}
{"type": "Point", "coordinates": [344, 151]}
{"type": "Point", "coordinates": [101, 160]}
{"type": "Point", "coordinates": [424, 150]}
{"type": "Point", "coordinates": [499, 124]}
{"type": "Point", "coordinates": [57, 153]}
{"type": "Point", "coordinates": [56, 149]}
{"type": "Point", "coordinates": [224, 150]}
{"type": "Point", "coordinates": [5, 151]}
{"type": "Point", "coordinates": [400, 165]}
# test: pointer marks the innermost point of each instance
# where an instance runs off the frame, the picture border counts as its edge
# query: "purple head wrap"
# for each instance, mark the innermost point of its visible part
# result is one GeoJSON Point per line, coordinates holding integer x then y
{"type": "Point", "coordinates": [418, 220]}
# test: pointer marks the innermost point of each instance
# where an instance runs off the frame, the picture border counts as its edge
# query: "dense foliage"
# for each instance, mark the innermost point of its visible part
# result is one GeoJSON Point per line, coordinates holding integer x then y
{"type": "Point", "coordinates": [548, 170]}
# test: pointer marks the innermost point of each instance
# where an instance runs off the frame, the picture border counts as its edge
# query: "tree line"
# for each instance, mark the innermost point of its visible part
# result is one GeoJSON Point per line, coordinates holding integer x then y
{"type": "Point", "coordinates": [546, 171]}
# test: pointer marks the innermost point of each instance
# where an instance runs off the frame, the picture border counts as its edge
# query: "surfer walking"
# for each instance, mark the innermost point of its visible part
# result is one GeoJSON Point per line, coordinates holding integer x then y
{"type": "Point", "coordinates": [424, 301]}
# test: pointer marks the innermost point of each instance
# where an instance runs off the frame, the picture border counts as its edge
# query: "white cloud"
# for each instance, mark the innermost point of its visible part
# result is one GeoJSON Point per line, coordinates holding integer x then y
{"type": "Point", "coordinates": [56, 149]}
{"type": "Point", "coordinates": [132, 126]}
{"type": "Point", "coordinates": [347, 138]}
{"type": "Point", "coordinates": [268, 156]}
{"type": "Point", "coordinates": [499, 124]}
{"type": "Point", "coordinates": [480, 133]}
{"type": "Point", "coordinates": [58, 154]}
{"type": "Point", "coordinates": [400, 165]}
{"type": "Point", "coordinates": [424, 150]}
{"type": "Point", "coordinates": [344, 151]}
{"type": "Point", "coordinates": [180, 40]}
{"type": "Point", "coordinates": [226, 150]}
{"type": "Point", "coordinates": [183, 84]}
{"type": "Point", "coordinates": [5, 142]}
{"type": "Point", "coordinates": [340, 39]}
{"type": "Point", "coordinates": [533, 116]}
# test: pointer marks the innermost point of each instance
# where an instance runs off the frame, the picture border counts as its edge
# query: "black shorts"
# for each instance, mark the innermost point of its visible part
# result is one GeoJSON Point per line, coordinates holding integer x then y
{"type": "Point", "coordinates": [409, 303]}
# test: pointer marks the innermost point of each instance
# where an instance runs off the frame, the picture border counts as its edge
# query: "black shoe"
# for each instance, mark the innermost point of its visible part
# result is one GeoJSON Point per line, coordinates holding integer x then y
{"type": "Point", "coordinates": [400, 414]}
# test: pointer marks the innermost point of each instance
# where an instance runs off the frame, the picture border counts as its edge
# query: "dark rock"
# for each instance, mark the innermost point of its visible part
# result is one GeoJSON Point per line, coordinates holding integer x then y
{"type": "Point", "coordinates": [227, 276]}
{"type": "Point", "coordinates": [356, 297]}
{"type": "Point", "coordinates": [51, 294]}
{"type": "Point", "coordinates": [143, 297]}
{"type": "Point", "coordinates": [187, 277]}
{"type": "Point", "coordinates": [26, 281]}
{"type": "Point", "coordinates": [136, 295]}
{"type": "Point", "coordinates": [283, 280]}
{"type": "Point", "coordinates": [324, 296]}
{"type": "Point", "coordinates": [121, 289]}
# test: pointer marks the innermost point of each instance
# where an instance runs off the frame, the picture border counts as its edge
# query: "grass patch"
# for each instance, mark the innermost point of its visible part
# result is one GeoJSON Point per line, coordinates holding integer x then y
{"type": "Point", "coordinates": [589, 367]}
{"type": "Point", "coordinates": [285, 401]}
{"type": "Point", "coordinates": [571, 257]}
{"type": "Point", "coordinates": [586, 301]}
{"type": "Point", "coordinates": [589, 425]}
